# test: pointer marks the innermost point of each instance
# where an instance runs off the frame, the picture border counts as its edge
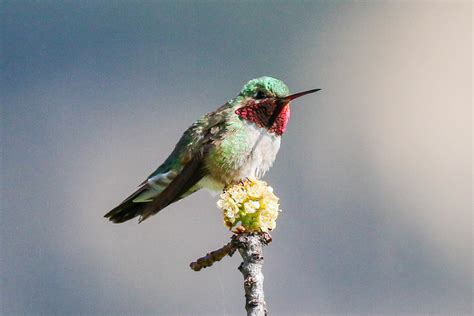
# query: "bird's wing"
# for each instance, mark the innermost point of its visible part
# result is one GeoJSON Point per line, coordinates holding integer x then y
{"type": "Point", "coordinates": [192, 150]}
{"type": "Point", "coordinates": [191, 173]}
{"type": "Point", "coordinates": [175, 178]}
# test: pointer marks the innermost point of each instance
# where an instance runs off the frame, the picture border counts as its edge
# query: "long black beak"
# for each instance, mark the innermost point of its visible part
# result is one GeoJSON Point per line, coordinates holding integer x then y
{"type": "Point", "coordinates": [283, 101]}
{"type": "Point", "coordinates": [297, 95]}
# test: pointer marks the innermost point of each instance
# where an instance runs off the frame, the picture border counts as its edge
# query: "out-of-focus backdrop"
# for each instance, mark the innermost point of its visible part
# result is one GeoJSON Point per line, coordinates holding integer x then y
{"type": "Point", "coordinates": [374, 172]}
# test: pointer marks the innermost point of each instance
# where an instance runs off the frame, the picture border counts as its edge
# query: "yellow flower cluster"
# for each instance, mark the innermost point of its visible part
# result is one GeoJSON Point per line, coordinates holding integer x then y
{"type": "Point", "coordinates": [252, 203]}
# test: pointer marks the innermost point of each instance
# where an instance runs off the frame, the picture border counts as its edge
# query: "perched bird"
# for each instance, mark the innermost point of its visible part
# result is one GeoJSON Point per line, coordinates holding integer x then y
{"type": "Point", "coordinates": [239, 140]}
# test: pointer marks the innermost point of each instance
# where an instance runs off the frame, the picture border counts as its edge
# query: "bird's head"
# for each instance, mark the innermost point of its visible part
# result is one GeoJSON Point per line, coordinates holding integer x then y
{"type": "Point", "coordinates": [265, 101]}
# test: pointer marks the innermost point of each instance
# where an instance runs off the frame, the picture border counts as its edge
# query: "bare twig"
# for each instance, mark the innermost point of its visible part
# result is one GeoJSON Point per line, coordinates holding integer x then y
{"type": "Point", "coordinates": [250, 246]}
{"type": "Point", "coordinates": [214, 256]}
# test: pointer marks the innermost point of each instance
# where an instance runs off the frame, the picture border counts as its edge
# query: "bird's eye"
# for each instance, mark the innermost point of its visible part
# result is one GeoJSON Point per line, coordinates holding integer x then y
{"type": "Point", "coordinates": [259, 95]}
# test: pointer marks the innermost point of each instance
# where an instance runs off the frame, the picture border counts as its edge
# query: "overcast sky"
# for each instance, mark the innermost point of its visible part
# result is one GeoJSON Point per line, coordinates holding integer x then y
{"type": "Point", "coordinates": [374, 171]}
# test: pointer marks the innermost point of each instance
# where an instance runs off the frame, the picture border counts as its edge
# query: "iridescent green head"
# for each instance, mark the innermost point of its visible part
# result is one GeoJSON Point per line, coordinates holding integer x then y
{"type": "Point", "coordinates": [264, 87]}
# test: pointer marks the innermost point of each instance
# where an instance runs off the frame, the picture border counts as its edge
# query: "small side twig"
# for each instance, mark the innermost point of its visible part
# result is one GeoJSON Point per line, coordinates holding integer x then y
{"type": "Point", "coordinates": [250, 246]}
{"type": "Point", "coordinates": [214, 256]}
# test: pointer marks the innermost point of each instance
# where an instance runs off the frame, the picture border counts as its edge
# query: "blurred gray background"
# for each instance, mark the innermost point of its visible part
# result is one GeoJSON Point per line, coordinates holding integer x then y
{"type": "Point", "coordinates": [374, 172]}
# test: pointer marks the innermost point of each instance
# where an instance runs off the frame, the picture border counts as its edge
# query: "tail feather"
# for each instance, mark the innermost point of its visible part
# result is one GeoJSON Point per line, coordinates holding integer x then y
{"type": "Point", "coordinates": [125, 212]}
{"type": "Point", "coordinates": [128, 209]}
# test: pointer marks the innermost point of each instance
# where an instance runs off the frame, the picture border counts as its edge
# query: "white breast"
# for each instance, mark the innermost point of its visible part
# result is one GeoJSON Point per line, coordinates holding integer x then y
{"type": "Point", "coordinates": [264, 147]}
{"type": "Point", "coordinates": [253, 161]}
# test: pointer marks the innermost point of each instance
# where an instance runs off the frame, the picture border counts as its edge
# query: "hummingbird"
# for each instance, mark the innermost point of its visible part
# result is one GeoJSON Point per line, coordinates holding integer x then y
{"type": "Point", "coordinates": [237, 141]}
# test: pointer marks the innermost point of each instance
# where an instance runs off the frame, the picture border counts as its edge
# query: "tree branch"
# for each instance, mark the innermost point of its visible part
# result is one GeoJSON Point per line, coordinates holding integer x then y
{"type": "Point", "coordinates": [250, 246]}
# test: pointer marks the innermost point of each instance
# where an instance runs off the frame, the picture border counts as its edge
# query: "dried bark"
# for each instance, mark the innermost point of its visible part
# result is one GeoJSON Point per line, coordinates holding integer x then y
{"type": "Point", "coordinates": [250, 247]}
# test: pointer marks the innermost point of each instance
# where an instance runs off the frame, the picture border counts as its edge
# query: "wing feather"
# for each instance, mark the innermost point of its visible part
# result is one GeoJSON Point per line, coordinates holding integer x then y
{"type": "Point", "coordinates": [191, 174]}
{"type": "Point", "coordinates": [186, 164]}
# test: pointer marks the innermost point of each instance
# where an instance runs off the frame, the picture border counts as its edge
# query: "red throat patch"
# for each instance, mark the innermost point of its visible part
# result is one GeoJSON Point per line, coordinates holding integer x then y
{"type": "Point", "coordinates": [261, 113]}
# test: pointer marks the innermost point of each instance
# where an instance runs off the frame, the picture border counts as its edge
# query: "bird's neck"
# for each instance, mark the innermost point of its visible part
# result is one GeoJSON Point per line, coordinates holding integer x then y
{"type": "Point", "coordinates": [266, 114]}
